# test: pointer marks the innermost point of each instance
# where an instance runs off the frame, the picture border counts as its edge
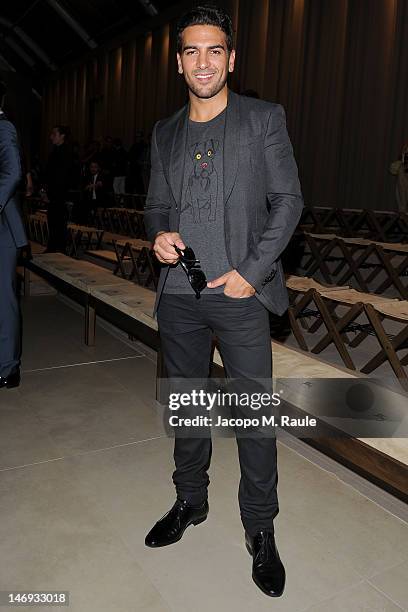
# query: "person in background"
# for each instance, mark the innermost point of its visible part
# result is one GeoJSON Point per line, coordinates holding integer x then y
{"type": "Point", "coordinates": [58, 179]}
{"type": "Point", "coordinates": [94, 193]}
{"type": "Point", "coordinates": [12, 238]}
{"type": "Point", "coordinates": [399, 169]}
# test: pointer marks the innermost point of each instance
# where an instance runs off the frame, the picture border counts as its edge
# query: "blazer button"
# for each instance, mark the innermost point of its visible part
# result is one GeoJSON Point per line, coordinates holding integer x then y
{"type": "Point", "coordinates": [270, 277]}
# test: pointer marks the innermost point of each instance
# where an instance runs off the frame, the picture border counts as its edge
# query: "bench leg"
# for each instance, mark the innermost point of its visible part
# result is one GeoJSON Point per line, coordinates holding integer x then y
{"type": "Point", "coordinates": [90, 323]}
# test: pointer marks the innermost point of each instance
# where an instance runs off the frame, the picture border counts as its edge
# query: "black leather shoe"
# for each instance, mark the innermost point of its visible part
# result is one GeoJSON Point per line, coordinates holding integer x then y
{"type": "Point", "coordinates": [268, 572]}
{"type": "Point", "coordinates": [10, 381]}
{"type": "Point", "coordinates": [171, 526]}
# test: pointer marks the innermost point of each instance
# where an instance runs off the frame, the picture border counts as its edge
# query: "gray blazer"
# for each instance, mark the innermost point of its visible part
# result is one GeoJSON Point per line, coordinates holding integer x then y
{"type": "Point", "coordinates": [263, 199]}
{"type": "Point", "coordinates": [12, 233]}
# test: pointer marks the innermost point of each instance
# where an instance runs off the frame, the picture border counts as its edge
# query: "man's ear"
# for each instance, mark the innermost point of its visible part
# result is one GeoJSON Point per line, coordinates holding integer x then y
{"type": "Point", "coordinates": [231, 61]}
{"type": "Point", "coordinates": [180, 66]}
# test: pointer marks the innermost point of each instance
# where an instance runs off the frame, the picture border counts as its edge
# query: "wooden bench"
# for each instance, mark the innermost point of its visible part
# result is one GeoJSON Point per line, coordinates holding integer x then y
{"type": "Point", "coordinates": [105, 255]}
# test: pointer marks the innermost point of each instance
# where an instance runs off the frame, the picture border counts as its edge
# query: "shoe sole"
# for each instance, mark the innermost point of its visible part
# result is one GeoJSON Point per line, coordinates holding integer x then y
{"type": "Point", "coordinates": [197, 522]}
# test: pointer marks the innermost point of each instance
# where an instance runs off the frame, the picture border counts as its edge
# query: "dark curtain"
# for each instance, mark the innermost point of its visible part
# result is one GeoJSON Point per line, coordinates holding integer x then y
{"type": "Point", "coordinates": [338, 67]}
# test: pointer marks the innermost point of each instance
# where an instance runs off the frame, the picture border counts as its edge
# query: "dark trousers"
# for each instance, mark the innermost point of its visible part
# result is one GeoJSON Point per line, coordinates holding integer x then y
{"type": "Point", "coordinates": [10, 345]}
{"type": "Point", "coordinates": [57, 217]}
{"type": "Point", "coordinates": [186, 327]}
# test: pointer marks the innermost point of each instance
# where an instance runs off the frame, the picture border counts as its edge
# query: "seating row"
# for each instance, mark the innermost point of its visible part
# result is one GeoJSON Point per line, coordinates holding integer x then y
{"type": "Point", "coordinates": [386, 262]}
{"type": "Point", "coordinates": [374, 224]}
{"type": "Point", "coordinates": [342, 311]}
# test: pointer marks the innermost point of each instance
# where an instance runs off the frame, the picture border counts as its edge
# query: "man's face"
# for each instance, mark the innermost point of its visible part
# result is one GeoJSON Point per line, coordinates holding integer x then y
{"type": "Point", "coordinates": [204, 60]}
{"type": "Point", "coordinates": [94, 168]}
{"type": "Point", "coordinates": [55, 137]}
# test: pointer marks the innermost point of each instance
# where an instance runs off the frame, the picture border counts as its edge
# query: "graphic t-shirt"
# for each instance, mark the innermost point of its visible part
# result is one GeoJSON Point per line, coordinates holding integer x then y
{"type": "Point", "coordinates": [202, 205]}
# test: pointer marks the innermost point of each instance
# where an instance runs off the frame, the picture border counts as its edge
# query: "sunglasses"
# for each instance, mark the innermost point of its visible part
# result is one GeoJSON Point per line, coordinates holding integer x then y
{"type": "Point", "coordinates": [191, 267]}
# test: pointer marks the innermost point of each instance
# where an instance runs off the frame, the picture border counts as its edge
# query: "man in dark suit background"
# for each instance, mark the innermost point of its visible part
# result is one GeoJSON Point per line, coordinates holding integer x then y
{"type": "Point", "coordinates": [224, 182]}
{"type": "Point", "coordinates": [12, 237]}
{"type": "Point", "coordinates": [58, 178]}
{"type": "Point", "coordinates": [94, 193]}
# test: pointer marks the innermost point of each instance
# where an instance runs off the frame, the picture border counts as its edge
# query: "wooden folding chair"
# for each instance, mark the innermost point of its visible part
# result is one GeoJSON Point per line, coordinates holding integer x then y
{"type": "Point", "coordinates": [139, 251]}
{"type": "Point", "coordinates": [134, 224]}
{"type": "Point", "coordinates": [321, 248]}
{"type": "Point", "coordinates": [392, 226]}
{"type": "Point", "coordinates": [390, 345]}
{"type": "Point", "coordinates": [310, 220]}
{"type": "Point", "coordinates": [306, 292]}
{"type": "Point", "coordinates": [327, 300]}
{"type": "Point", "coordinates": [74, 235]}
{"type": "Point", "coordinates": [358, 254]}
{"type": "Point", "coordinates": [387, 252]}
{"type": "Point", "coordinates": [124, 256]}
{"type": "Point", "coordinates": [145, 261]}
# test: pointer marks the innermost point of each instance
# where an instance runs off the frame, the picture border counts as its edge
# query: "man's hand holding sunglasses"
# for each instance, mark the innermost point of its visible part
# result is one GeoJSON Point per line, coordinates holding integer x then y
{"type": "Point", "coordinates": [235, 285]}
{"type": "Point", "coordinates": [163, 247]}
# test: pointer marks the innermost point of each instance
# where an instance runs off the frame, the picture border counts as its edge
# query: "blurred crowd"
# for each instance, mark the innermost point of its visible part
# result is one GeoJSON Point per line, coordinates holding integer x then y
{"type": "Point", "coordinates": [118, 170]}
{"type": "Point", "coordinates": [76, 179]}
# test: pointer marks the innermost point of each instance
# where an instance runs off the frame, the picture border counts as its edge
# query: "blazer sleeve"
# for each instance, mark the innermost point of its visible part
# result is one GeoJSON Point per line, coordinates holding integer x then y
{"type": "Point", "coordinates": [158, 201]}
{"type": "Point", "coordinates": [10, 165]}
{"type": "Point", "coordinates": [285, 199]}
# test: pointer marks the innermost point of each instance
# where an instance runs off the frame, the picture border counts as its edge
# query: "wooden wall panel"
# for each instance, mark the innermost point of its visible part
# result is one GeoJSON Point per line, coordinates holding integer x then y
{"type": "Point", "coordinates": [338, 66]}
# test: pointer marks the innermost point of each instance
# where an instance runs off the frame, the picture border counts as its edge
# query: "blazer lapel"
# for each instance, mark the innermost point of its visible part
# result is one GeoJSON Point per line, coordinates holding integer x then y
{"type": "Point", "coordinates": [177, 155]}
{"type": "Point", "coordinates": [231, 144]}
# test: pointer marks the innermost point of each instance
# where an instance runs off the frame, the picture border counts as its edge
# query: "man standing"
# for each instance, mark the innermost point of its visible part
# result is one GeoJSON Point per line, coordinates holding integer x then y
{"type": "Point", "coordinates": [58, 176]}
{"type": "Point", "coordinates": [94, 194]}
{"type": "Point", "coordinates": [12, 237]}
{"type": "Point", "coordinates": [223, 182]}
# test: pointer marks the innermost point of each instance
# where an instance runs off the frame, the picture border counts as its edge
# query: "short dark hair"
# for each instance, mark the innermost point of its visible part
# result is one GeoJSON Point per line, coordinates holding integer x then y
{"type": "Point", "coordinates": [63, 130]}
{"type": "Point", "coordinates": [206, 15]}
{"type": "Point", "coordinates": [3, 91]}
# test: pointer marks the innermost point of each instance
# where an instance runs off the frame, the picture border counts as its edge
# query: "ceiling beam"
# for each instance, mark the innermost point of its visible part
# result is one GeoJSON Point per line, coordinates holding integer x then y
{"type": "Point", "coordinates": [149, 7]}
{"type": "Point", "coordinates": [6, 64]}
{"type": "Point", "coordinates": [19, 51]}
{"type": "Point", "coordinates": [29, 42]}
{"type": "Point", "coordinates": [73, 23]}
